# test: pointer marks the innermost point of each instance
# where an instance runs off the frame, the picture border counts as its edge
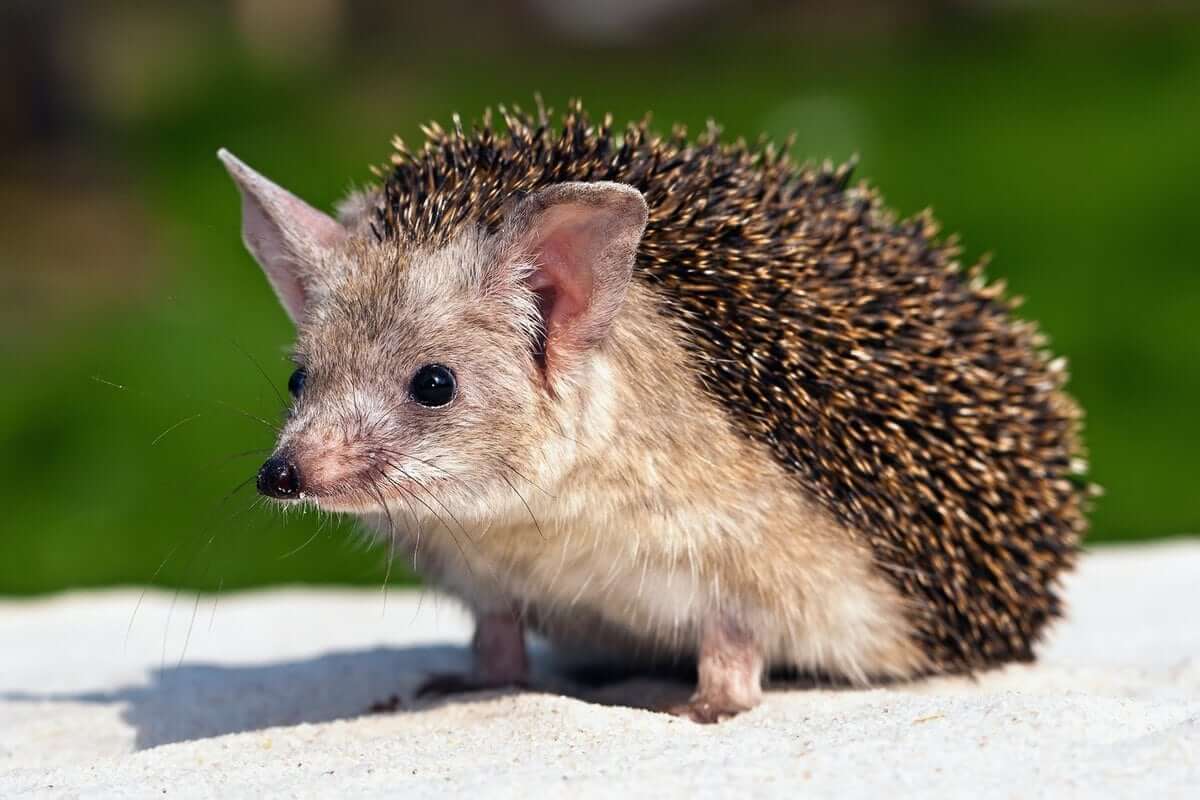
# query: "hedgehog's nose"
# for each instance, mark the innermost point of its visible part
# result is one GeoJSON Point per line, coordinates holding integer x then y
{"type": "Point", "coordinates": [279, 478]}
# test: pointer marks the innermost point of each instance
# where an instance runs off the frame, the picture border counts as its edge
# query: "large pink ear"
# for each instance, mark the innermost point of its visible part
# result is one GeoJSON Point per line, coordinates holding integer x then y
{"type": "Point", "coordinates": [288, 237]}
{"type": "Point", "coordinates": [580, 239]}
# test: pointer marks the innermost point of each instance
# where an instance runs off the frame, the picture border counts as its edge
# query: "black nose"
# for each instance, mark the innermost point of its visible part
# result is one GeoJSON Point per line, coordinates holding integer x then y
{"type": "Point", "coordinates": [279, 478]}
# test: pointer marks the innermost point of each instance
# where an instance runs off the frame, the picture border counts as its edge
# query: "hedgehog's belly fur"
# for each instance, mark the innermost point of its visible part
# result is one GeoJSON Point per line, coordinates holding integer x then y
{"type": "Point", "coordinates": [820, 608]}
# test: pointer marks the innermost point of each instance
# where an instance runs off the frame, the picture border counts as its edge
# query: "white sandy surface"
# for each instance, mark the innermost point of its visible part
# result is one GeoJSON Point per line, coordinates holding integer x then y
{"type": "Point", "coordinates": [269, 700]}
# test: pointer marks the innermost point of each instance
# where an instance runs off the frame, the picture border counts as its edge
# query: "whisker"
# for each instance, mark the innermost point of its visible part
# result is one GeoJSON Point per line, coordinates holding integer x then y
{"type": "Point", "coordinates": [213, 617]}
{"type": "Point", "coordinates": [415, 522]}
{"type": "Point", "coordinates": [261, 371]}
{"type": "Point", "coordinates": [520, 475]}
{"type": "Point", "coordinates": [220, 403]}
{"type": "Point", "coordinates": [430, 464]}
{"type": "Point", "coordinates": [391, 554]}
{"type": "Point", "coordinates": [416, 531]}
{"type": "Point", "coordinates": [398, 454]}
{"type": "Point", "coordinates": [159, 438]}
{"type": "Point", "coordinates": [98, 379]}
{"type": "Point", "coordinates": [237, 489]}
{"type": "Point", "coordinates": [162, 664]}
{"type": "Point", "coordinates": [142, 596]}
{"type": "Point", "coordinates": [536, 524]}
{"type": "Point", "coordinates": [420, 601]}
{"type": "Point", "coordinates": [432, 496]}
{"type": "Point", "coordinates": [308, 541]}
{"type": "Point", "coordinates": [192, 560]}
{"type": "Point", "coordinates": [248, 415]}
{"type": "Point", "coordinates": [400, 488]}
{"type": "Point", "coordinates": [223, 460]}
{"type": "Point", "coordinates": [196, 605]}
{"type": "Point", "coordinates": [187, 638]}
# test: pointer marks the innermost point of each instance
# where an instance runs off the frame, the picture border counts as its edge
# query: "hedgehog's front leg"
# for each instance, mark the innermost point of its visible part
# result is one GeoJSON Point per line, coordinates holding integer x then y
{"type": "Point", "coordinates": [499, 649]}
{"type": "Point", "coordinates": [729, 673]}
{"type": "Point", "coordinates": [499, 656]}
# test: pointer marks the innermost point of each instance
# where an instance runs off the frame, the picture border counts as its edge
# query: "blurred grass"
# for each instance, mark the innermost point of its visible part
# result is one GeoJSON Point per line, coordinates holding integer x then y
{"type": "Point", "coordinates": [1067, 150]}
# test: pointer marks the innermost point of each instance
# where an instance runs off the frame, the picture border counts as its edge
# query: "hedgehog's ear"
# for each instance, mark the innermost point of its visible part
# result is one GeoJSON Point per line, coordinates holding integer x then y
{"type": "Point", "coordinates": [578, 242]}
{"type": "Point", "coordinates": [288, 237]}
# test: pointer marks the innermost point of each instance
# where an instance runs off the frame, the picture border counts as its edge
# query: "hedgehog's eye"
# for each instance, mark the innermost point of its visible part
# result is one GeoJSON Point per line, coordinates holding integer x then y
{"type": "Point", "coordinates": [296, 382]}
{"type": "Point", "coordinates": [432, 386]}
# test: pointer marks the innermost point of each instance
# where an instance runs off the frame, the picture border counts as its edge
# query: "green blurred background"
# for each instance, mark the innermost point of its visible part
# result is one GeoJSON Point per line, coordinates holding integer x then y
{"type": "Point", "coordinates": [1062, 138]}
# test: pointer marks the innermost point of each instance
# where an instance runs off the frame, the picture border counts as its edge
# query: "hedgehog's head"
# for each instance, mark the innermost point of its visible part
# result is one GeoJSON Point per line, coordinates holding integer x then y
{"type": "Point", "coordinates": [428, 374]}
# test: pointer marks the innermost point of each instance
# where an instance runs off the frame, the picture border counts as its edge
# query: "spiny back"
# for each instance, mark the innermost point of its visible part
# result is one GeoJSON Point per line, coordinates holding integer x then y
{"type": "Point", "coordinates": [898, 389]}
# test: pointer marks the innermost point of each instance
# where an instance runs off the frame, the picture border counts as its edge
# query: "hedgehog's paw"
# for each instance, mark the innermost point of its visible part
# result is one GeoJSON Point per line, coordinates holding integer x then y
{"type": "Point", "coordinates": [501, 661]}
{"type": "Point", "coordinates": [709, 710]}
{"type": "Point", "coordinates": [729, 673]}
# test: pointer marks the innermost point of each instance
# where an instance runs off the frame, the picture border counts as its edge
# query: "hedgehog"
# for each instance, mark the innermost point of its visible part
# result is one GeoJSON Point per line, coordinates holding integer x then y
{"type": "Point", "coordinates": [665, 400]}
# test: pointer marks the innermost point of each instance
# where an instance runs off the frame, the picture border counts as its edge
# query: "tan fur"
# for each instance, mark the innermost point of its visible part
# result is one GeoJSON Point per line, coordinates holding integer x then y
{"type": "Point", "coordinates": [618, 510]}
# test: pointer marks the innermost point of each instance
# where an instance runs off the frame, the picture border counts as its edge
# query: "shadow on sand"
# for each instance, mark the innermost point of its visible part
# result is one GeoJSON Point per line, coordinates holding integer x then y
{"type": "Point", "coordinates": [197, 701]}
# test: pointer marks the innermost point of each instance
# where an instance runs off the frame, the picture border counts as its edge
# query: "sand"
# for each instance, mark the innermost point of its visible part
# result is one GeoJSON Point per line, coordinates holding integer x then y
{"type": "Point", "coordinates": [271, 693]}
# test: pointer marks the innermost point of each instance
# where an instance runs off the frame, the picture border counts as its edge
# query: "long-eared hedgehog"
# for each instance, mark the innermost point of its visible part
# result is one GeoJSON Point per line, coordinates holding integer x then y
{"type": "Point", "coordinates": [678, 399]}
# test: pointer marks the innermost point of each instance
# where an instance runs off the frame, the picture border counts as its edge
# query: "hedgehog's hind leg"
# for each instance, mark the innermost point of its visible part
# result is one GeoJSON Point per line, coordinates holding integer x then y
{"type": "Point", "coordinates": [729, 674]}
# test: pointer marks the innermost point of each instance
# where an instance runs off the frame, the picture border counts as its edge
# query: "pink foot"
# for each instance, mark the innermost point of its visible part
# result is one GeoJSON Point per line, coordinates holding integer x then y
{"type": "Point", "coordinates": [500, 659]}
{"type": "Point", "coordinates": [708, 711]}
{"type": "Point", "coordinates": [729, 675]}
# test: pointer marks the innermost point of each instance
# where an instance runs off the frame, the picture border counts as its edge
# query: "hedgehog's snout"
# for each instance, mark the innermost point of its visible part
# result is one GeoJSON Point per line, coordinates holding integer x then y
{"type": "Point", "coordinates": [279, 477]}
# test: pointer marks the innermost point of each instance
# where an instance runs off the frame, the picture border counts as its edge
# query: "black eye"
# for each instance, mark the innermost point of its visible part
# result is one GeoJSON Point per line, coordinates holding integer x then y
{"type": "Point", "coordinates": [296, 382]}
{"type": "Point", "coordinates": [432, 386]}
